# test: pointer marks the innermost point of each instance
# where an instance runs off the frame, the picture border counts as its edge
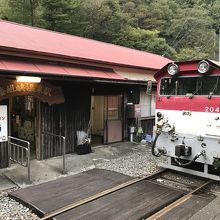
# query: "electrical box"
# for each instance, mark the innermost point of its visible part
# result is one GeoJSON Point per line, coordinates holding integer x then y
{"type": "Point", "coordinates": [133, 111]}
{"type": "Point", "coordinates": [182, 150]}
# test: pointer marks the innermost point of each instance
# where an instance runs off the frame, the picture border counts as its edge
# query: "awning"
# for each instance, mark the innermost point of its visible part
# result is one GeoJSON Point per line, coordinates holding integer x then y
{"type": "Point", "coordinates": [31, 68]}
{"type": "Point", "coordinates": [136, 76]}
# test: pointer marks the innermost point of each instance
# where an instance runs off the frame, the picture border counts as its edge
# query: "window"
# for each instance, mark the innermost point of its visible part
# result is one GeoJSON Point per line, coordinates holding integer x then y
{"type": "Point", "coordinates": [147, 103]}
{"type": "Point", "coordinates": [133, 96]}
{"type": "Point", "coordinates": [114, 105]}
{"type": "Point", "coordinates": [206, 85]}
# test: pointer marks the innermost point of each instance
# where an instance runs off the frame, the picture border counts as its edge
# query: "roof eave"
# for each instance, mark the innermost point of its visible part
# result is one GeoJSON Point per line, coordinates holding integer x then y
{"type": "Point", "coordinates": [57, 57]}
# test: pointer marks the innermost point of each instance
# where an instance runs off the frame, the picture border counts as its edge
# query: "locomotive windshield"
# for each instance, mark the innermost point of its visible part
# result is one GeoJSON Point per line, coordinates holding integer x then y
{"type": "Point", "coordinates": [190, 86]}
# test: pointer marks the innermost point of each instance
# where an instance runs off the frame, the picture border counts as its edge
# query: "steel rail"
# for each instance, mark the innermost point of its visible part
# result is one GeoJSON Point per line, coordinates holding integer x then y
{"type": "Point", "coordinates": [178, 202]}
{"type": "Point", "coordinates": [101, 194]}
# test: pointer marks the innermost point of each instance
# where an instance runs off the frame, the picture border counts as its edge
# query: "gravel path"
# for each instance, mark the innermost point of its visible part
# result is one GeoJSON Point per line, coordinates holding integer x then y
{"type": "Point", "coordinates": [134, 164]}
{"type": "Point", "coordinates": [12, 210]}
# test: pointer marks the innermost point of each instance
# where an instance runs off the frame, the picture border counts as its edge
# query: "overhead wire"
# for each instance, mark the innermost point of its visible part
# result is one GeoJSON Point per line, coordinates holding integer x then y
{"type": "Point", "coordinates": [174, 43]}
{"type": "Point", "coordinates": [178, 34]}
{"type": "Point", "coordinates": [203, 48]}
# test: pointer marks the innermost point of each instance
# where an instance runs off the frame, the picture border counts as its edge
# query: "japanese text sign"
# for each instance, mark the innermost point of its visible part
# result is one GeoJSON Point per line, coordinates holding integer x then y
{"type": "Point", "coordinates": [3, 123]}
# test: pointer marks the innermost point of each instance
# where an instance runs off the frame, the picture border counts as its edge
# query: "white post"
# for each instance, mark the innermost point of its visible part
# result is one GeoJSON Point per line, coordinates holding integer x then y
{"type": "Point", "coordinates": [219, 42]}
{"type": "Point", "coordinates": [131, 137]}
{"type": "Point", "coordinates": [131, 130]}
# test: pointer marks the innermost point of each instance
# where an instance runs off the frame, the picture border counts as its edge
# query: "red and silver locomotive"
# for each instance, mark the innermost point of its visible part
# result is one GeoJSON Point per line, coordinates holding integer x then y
{"type": "Point", "coordinates": [187, 128]}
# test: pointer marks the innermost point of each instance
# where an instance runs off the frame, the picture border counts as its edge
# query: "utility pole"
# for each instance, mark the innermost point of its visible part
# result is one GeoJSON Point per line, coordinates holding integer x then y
{"type": "Point", "coordinates": [32, 12]}
{"type": "Point", "coordinates": [218, 36]}
{"type": "Point", "coordinates": [218, 33]}
{"type": "Point", "coordinates": [214, 45]}
{"type": "Point", "coordinates": [219, 41]}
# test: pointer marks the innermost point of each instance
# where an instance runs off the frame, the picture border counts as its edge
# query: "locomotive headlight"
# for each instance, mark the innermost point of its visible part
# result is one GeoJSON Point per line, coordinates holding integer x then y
{"type": "Point", "coordinates": [203, 67]}
{"type": "Point", "coordinates": [173, 69]}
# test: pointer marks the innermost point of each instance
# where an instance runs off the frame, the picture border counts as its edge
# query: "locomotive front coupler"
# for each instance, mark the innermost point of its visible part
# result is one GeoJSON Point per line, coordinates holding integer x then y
{"type": "Point", "coordinates": [201, 153]}
{"type": "Point", "coordinates": [183, 150]}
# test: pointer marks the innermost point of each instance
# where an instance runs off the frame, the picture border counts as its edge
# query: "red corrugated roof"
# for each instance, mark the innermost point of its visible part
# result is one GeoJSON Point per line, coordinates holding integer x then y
{"type": "Point", "coordinates": [28, 38]}
{"type": "Point", "coordinates": [56, 69]}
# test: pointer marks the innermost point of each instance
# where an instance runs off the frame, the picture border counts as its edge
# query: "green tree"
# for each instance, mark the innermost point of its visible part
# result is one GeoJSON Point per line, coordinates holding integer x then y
{"type": "Point", "coordinates": [25, 12]}
{"type": "Point", "coordinates": [4, 10]}
{"type": "Point", "coordinates": [191, 28]}
{"type": "Point", "coordinates": [56, 14]}
{"type": "Point", "coordinates": [191, 54]}
{"type": "Point", "coordinates": [146, 40]}
{"type": "Point", "coordinates": [102, 19]}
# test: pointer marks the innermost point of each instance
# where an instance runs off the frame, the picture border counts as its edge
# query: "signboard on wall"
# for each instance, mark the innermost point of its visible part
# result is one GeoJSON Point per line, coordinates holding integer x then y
{"type": "Point", "coordinates": [44, 91]}
{"type": "Point", "coordinates": [3, 123]}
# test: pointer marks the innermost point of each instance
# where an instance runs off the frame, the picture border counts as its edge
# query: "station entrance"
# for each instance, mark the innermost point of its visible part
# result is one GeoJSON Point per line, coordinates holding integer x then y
{"type": "Point", "coordinates": [23, 120]}
{"type": "Point", "coordinates": [106, 119]}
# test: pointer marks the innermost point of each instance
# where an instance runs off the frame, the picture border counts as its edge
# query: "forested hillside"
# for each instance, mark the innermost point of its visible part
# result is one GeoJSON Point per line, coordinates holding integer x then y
{"type": "Point", "coordinates": [178, 29]}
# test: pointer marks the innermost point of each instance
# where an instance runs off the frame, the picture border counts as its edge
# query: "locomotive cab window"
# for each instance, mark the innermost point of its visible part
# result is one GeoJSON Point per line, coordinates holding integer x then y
{"type": "Point", "coordinates": [206, 85]}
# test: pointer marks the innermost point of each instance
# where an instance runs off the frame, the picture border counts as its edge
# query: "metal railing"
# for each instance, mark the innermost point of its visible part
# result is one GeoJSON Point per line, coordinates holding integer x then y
{"type": "Point", "coordinates": [63, 140]}
{"type": "Point", "coordinates": [19, 152]}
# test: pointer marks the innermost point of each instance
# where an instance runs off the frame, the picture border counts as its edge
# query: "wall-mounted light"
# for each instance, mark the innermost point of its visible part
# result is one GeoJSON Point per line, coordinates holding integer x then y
{"type": "Point", "coordinates": [30, 79]}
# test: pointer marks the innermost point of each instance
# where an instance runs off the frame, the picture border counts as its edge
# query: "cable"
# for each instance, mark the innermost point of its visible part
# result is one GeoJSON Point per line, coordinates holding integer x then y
{"type": "Point", "coordinates": [202, 153]}
{"type": "Point", "coordinates": [154, 145]}
{"type": "Point", "coordinates": [178, 34]}
{"type": "Point", "coordinates": [200, 49]}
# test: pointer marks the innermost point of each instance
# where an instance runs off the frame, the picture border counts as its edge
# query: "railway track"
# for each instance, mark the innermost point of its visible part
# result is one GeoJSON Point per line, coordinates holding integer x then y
{"type": "Point", "coordinates": [101, 194]}
{"type": "Point", "coordinates": [178, 202]}
{"type": "Point", "coordinates": [154, 216]}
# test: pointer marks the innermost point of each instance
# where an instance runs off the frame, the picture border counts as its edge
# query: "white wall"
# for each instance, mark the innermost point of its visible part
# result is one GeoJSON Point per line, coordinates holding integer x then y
{"type": "Point", "coordinates": [147, 103]}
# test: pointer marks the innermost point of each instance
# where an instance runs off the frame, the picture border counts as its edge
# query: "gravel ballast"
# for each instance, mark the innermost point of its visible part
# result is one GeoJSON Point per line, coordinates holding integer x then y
{"type": "Point", "coordinates": [12, 210]}
{"type": "Point", "coordinates": [135, 164]}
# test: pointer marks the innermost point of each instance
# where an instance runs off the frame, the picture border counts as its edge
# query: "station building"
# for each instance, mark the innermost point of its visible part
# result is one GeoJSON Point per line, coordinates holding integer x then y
{"type": "Point", "coordinates": [59, 84]}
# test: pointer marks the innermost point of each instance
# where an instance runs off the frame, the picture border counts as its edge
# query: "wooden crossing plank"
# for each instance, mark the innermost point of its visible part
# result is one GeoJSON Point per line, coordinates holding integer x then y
{"type": "Point", "coordinates": [132, 202]}
{"type": "Point", "coordinates": [46, 197]}
{"type": "Point", "coordinates": [188, 208]}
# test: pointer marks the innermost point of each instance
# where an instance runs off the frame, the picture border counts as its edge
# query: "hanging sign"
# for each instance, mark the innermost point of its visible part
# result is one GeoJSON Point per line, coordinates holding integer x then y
{"type": "Point", "coordinates": [45, 91]}
{"type": "Point", "coordinates": [3, 123]}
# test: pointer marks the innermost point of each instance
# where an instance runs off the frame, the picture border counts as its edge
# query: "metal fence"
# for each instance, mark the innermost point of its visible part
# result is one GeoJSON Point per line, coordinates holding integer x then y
{"type": "Point", "coordinates": [62, 143]}
{"type": "Point", "coordinates": [19, 152]}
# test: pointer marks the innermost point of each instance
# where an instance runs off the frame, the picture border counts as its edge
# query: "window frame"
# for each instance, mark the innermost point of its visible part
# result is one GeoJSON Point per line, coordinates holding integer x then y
{"type": "Point", "coordinates": [159, 89]}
